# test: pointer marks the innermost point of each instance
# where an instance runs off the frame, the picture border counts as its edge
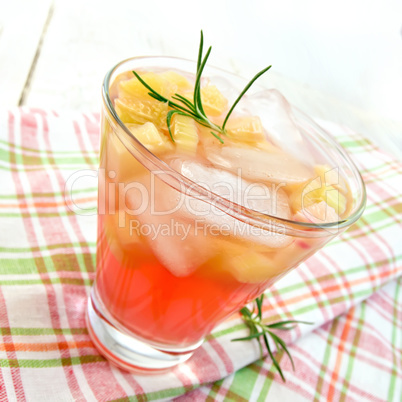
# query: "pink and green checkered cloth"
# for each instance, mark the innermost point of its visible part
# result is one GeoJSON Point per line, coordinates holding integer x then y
{"type": "Point", "coordinates": [351, 290]}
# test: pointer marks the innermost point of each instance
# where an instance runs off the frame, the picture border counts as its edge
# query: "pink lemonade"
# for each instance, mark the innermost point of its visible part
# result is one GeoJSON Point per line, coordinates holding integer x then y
{"type": "Point", "coordinates": [190, 228]}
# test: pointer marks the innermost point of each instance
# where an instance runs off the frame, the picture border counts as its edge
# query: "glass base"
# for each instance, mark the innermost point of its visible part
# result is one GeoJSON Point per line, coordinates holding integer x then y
{"type": "Point", "coordinates": [128, 352]}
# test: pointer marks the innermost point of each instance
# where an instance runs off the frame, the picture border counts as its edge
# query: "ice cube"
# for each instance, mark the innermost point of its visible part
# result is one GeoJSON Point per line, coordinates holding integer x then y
{"type": "Point", "coordinates": [259, 165]}
{"type": "Point", "coordinates": [181, 255]}
{"type": "Point", "coordinates": [174, 242]}
{"type": "Point", "coordinates": [266, 199]}
{"type": "Point", "coordinates": [159, 221]}
{"type": "Point", "coordinates": [276, 117]}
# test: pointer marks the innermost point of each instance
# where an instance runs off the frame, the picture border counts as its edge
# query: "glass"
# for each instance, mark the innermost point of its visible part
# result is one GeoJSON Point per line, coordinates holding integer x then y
{"type": "Point", "coordinates": [174, 258]}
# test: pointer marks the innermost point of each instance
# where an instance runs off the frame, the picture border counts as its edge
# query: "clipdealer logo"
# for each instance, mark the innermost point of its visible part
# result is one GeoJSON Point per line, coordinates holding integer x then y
{"type": "Point", "coordinates": [153, 198]}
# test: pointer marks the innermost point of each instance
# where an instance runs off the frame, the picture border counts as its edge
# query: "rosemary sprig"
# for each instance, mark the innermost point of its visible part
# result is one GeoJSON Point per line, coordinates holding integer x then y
{"type": "Point", "coordinates": [258, 330]}
{"type": "Point", "coordinates": [195, 109]}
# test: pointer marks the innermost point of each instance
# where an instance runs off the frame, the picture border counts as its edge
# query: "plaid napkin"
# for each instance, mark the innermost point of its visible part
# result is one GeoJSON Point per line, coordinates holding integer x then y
{"type": "Point", "coordinates": [350, 290]}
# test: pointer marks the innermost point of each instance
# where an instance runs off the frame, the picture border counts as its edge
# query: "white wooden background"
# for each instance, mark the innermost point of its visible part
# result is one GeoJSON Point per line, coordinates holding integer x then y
{"type": "Point", "coordinates": [341, 62]}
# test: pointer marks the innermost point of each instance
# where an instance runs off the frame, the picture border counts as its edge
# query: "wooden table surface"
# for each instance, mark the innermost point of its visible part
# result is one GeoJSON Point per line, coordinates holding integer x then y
{"type": "Point", "coordinates": [54, 54]}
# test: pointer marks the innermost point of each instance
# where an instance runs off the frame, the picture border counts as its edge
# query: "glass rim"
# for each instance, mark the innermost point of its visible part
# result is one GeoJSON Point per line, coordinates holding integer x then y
{"type": "Point", "coordinates": [253, 217]}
